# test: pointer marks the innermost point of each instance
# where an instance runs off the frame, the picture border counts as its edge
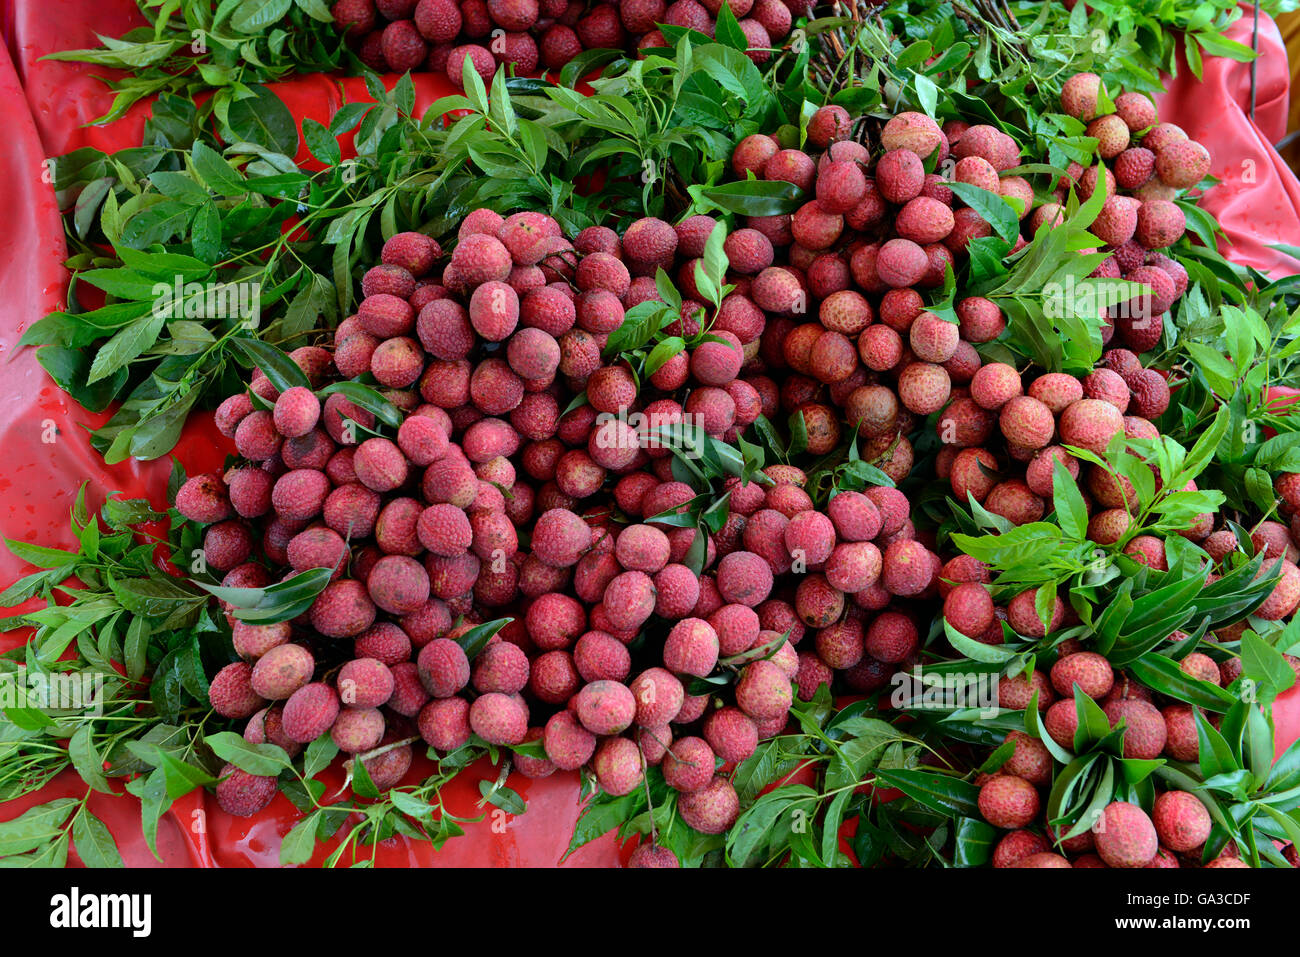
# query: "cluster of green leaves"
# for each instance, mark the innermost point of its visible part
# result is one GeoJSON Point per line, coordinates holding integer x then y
{"type": "Point", "coordinates": [785, 821]}
{"type": "Point", "coordinates": [1253, 800]}
{"type": "Point", "coordinates": [238, 213]}
{"type": "Point", "coordinates": [231, 47]}
{"type": "Point", "coordinates": [360, 822]}
{"type": "Point", "coordinates": [112, 682]}
{"type": "Point", "coordinates": [1006, 61]}
{"type": "Point", "coordinates": [146, 727]}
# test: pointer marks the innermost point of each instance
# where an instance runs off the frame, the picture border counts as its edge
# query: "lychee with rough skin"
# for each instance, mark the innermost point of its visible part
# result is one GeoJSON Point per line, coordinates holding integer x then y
{"type": "Point", "coordinates": [924, 387]}
{"type": "Point", "coordinates": [1125, 836]}
{"type": "Point", "coordinates": [731, 734]}
{"type": "Point", "coordinates": [253, 641]}
{"type": "Point", "coordinates": [688, 765]}
{"type": "Point", "coordinates": [1136, 110]}
{"type": "Point", "coordinates": [629, 600]}
{"type": "Point", "coordinates": [1160, 223]}
{"type": "Point", "coordinates": [1182, 742]}
{"type": "Point", "coordinates": [691, 648]}
{"type": "Point", "coordinates": [1017, 846]}
{"type": "Point", "coordinates": [364, 683]}
{"type": "Point", "coordinates": [1023, 615]}
{"type": "Point", "coordinates": [242, 794]}
{"type": "Point", "coordinates": [617, 764]}
{"type": "Point", "coordinates": [560, 538]}
{"type": "Point", "coordinates": [231, 691]}
{"type": "Point", "coordinates": [501, 666]}
{"type": "Point", "coordinates": [763, 691]}
{"type": "Point", "coordinates": [659, 696]}
{"type": "Point", "coordinates": [568, 744]}
{"type": "Point", "coordinates": [343, 609]}
{"type": "Point", "coordinates": [357, 729]}
{"type": "Point", "coordinates": [899, 176]}
{"type": "Point", "coordinates": [403, 47]}
{"type": "Point", "coordinates": [712, 809]}
{"type": "Point", "coordinates": [892, 638]}
{"type": "Point", "coordinates": [1090, 424]}
{"type": "Point", "coordinates": [204, 498]}
{"type": "Point", "coordinates": [652, 855]}
{"type": "Point", "coordinates": [1015, 693]}
{"type": "Point", "coordinates": [968, 608]}
{"type": "Point", "coordinates": [855, 516]}
{"type": "Point", "coordinates": [310, 712]}
{"type": "Point", "coordinates": [398, 584]}
{"type": "Point", "coordinates": [1061, 721]}
{"type": "Point", "coordinates": [1146, 733]}
{"type": "Point", "coordinates": [750, 155]}
{"type": "Point", "coordinates": [980, 319]}
{"type": "Point", "coordinates": [443, 667]}
{"type": "Point", "coordinates": [1026, 422]}
{"type": "Point", "coordinates": [901, 262]}
{"type": "Point", "coordinates": [282, 671]}
{"type": "Point", "coordinates": [1087, 670]}
{"type": "Point", "coordinates": [444, 723]}
{"type": "Point", "coordinates": [1181, 821]}
{"type": "Point", "coordinates": [1008, 802]}
{"type": "Point", "coordinates": [1030, 760]}
{"type": "Point", "coordinates": [840, 186]}
{"type": "Point", "coordinates": [906, 568]}
{"type": "Point", "coordinates": [605, 707]}
{"type": "Point", "coordinates": [828, 125]}
{"type": "Point", "coordinates": [1182, 164]}
{"type": "Point", "coordinates": [499, 718]}
{"type": "Point", "coordinates": [912, 131]}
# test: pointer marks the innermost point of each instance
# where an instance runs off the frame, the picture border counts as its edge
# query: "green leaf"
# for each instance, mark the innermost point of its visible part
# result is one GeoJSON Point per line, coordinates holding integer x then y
{"type": "Point", "coordinates": [727, 30]}
{"type": "Point", "coordinates": [263, 119]}
{"type": "Point", "coordinates": [368, 398]}
{"type": "Point", "coordinates": [974, 840]}
{"type": "Point", "coordinates": [86, 758]}
{"type": "Point", "coordinates": [939, 792]}
{"type": "Point", "coordinates": [39, 555]}
{"type": "Point", "coordinates": [265, 760]}
{"type": "Point", "coordinates": [321, 142]}
{"type": "Point", "coordinates": [34, 826]}
{"type": "Point", "coordinates": [1264, 664]}
{"type": "Point", "coordinates": [253, 16]}
{"type": "Point", "coordinates": [299, 844]}
{"type": "Point", "coordinates": [94, 843]}
{"type": "Point", "coordinates": [992, 207]}
{"type": "Point", "coordinates": [754, 197]}
{"type": "Point", "coordinates": [283, 372]}
{"type": "Point", "coordinates": [1067, 500]}
{"type": "Point", "coordinates": [1214, 752]}
{"type": "Point", "coordinates": [1165, 676]}
{"type": "Point", "coordinates": [502, 797]}
{"type": "Point", "coordinates": [282, 601]}
{"type": "Point", "coordinates": [320, 753]}
{"type": "Point", "coordinates": [126, 344]}
{"type": "Point", "coordinates": [475, 639]}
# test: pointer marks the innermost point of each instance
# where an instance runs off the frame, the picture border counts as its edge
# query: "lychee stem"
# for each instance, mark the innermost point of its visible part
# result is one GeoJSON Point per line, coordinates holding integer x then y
{"type": "Point", "coordinates": [502, 774]}
{"type": "Point", "coordinates": [645, 783]}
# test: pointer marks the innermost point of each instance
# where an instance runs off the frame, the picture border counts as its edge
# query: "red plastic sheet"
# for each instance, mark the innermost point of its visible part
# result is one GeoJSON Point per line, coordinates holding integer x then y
{"type": "Point", "coordinates": [47, 458]}
{"type": "Point", "coordinates": [1257, 201]}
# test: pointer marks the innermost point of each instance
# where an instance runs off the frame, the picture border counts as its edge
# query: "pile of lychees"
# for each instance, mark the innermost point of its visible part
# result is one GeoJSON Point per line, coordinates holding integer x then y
{"type": "Point", "coordinates": [438, 35]}
{"type": "Point", "coordinates": [518, 487]}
